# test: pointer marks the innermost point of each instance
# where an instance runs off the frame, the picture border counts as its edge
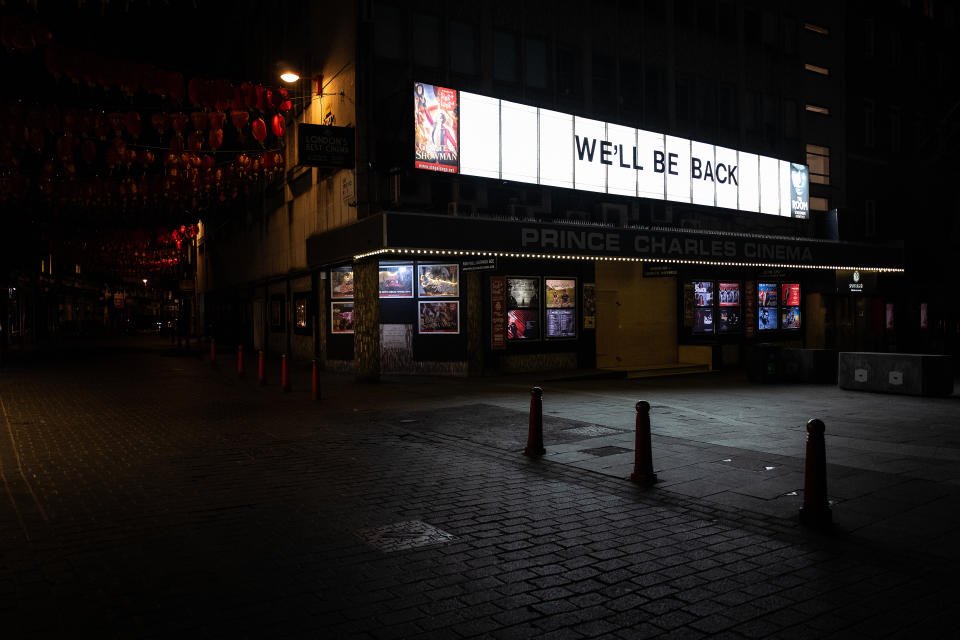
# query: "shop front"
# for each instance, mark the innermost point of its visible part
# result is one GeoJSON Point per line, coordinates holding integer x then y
{"type": "Point", "coordinates": [459, 296]}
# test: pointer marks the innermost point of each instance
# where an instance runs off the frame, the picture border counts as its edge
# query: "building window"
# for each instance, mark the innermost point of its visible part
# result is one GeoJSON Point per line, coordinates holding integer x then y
{"type": "Point", "coordinates": [815, 69]}
{"type": "Point", "coordinates": [535, 56]}
{"type": "Point", "coordinates": [818, 159]}
{"type": "Point", "coordinates": [815, 28]}
{"type": "Point", "coordinates": [870, 218]}
{"type": "Point", "coordinates": [869, 126]}
{"type": "Point", "coordinates": [819, 204]}
{"type": "Point", "coordinates": [426, 31]}
{"type": "Point", "coordinates": [463, 48]}
{"type": "Point", "coordinates": [813, 108]}
{"type": "Point", "coordinates": [504, 56]}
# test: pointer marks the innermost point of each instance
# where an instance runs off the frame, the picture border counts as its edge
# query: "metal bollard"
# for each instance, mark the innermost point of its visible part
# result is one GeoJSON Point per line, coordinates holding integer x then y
{"type": "Point", "coordinates": [213, 350]}
{"type": "Point", "coordinates": [535, 432]}
{"type": "Point", "coordinates": [261, 370]}
{"type": "Point", "coordinates": [315, 381]}
{"type": "Point", "coordinates": [816, 508]}
{"type": "Point", "coordinates": [284, 377]}
{"type": "Point", "coordinates": [643, 463]}
{"type": "Point", "coordinates": [240, 360]}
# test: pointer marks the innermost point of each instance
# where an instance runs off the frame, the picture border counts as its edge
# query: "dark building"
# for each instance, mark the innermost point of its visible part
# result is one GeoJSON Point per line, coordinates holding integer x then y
{"type": "Point", "coordinates": [656, 184]}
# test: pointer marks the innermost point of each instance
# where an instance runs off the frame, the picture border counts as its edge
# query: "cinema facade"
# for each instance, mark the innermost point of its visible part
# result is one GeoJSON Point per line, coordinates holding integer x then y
{"type": "Point", "coordinates": [421, 292]}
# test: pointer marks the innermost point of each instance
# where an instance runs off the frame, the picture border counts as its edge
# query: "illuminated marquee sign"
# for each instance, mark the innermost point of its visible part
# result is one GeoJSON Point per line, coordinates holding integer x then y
{"type": "Point", "coordinates": [461, 132]}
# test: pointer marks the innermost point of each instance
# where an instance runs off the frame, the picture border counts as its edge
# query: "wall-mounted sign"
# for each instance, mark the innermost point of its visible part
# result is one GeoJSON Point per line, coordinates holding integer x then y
{"type": "Point", "coordinates": [483, 264]}
{"type": "Point", "coordinates": [323, 146]}
{"type": "Point", "coordinates": [481, 136]}
{"type": "Point", "coordinates": [498, 312]}
{"type": "Point", "coordinates": [435, 128]}
{"type": "Point", "coordinates": [856, 281]}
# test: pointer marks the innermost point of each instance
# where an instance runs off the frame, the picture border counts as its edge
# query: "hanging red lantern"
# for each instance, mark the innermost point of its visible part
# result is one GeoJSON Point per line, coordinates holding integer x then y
{"type": "Point", "coordinates": [175, 86]}
{"type": "Point", "coordinates": [259, 129]}
{"type": "Point", "coordinates": [176, 143]}
{"type": "Point", "coordinates": [112, 157]}
{"type": "Point", "coordinates": [216, 119]}
{"type": "Point", "coordinates": [199, 119]}
{"type": "Point", "coordinates": [179, 122]}
{"type": "Point", "coordinates": [224, 94]}
{"type": "Point", "coordinates": [208, 161]}
{"type": "Point", "coordinates": [134, 124]}
{"type": "Point", "coordinates": [36, 140]}
{"type": "Point", "coordinates": [268, 162]}
{"type": "Point", "coordinates": [120, 145]}
{"type": "Point", "coordinates": [194, 142]}
{"type": "Point", "coordinates": [194, 89]}
{"type": "Point", "coordinates": [215, 139]}
{"type": "Point", "coordinates": [277, 124]}
{"type": "Point", "coordinates": [71, 121]}
{"type": "Point", "coordinates": [100, 126]}
{"type": "Point", "coordinates": [65, 147]}
{"type": "Point", "coordinates": [249, 95]}
{"type": "Point", "coordinates": [237, 101]}
{"type": "Point", "coordinates": [145, 157]}
{"type": "Point", "coordinates": [88, 151]}
{"type": "Point", "coordinates": [261, 97]}
{"type": "Point", "coordinates": [160, 122]}
{"type": "Point", "coordinates": [86, 122]}
{"type": "Point", "coordinates": [239, 118]}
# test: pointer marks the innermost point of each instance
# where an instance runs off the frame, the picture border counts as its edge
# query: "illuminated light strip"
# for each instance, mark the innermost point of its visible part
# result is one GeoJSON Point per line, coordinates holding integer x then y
{"type": "Point", "coordinates": [551, 256]}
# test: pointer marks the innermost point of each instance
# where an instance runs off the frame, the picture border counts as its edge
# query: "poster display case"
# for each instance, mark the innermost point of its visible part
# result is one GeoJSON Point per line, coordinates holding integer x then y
{"type": "Point", "coordinates": [438, 280]}
{"type": "Point", "coordinates": [439, 316]}
{"type": "Point", "coordinates": [396, 280]}
{"type": "Point", "coordinates": [561, 313]}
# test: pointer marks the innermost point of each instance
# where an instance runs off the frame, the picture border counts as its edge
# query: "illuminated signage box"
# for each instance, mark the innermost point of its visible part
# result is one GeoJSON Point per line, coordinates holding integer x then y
{"type": "Point", "coordinates": [323, 146]}
{"type": "Point", "coordinates": [474, 135]}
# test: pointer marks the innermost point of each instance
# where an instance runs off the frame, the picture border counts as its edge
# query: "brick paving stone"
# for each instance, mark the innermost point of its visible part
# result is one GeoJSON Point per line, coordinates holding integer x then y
{"type": "Point", "coordinates": [179, 502]}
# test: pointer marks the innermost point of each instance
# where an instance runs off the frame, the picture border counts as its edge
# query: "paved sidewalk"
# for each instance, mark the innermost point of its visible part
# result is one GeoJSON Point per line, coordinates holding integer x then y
{"type": "Point", "coordinates": [152, 495]}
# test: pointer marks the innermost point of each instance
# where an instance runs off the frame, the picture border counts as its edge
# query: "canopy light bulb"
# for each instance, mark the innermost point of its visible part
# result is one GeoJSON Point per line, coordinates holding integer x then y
{"type": "Point", "coordinates": [289, 76]}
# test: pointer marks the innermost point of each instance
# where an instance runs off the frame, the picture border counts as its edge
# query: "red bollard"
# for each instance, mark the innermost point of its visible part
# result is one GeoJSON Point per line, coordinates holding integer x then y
{"type": "Point", "coordinates": [240, 360]}
{"type": "Point", "coordinates": [643, 464]}
{"type": "Point", "coordinates": [261, 371]}
{"type": "Point", "coordinates": [213, 350]}
{"type": "Point", "coordinates": [284, 378]}
{"type": "Point", "coordinates": [315, 382]}
{"type": "Point", "coordinates": [535, 433]}
{"type": "Point", "coordinates": [816, 508]}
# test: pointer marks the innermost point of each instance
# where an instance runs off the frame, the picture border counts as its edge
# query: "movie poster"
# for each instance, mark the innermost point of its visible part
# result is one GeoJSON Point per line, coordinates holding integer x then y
{"type": "Point", "coordinates": [341, 317]}
{"type": "Point", "coordinates": [799, 191]}
{"type": "Point", "coordinates": [703, 320]}
{"type": "Point", "coordinates": [729, 294]}
{"type": "Point", "coordinates": [440, 317]}
{"type": "Point", "coordinates": [791, 295]}
{"type": "Point", "coordinates": [341, 283]}
{"type": "Point", "coordinates": [561, 323]}
{"type": "Point", "coordinates": [728, 320]}
{"type": "Point", "coordinates": [561, 294]}
{"type": "Point", "coordinates": [522, 325]}
{"type": "Point", "coordinates": [589, 305]}
{"type": "Point", "coordinates": [767, 295]}
{"type": "Point", "coordinates": [523, 293]}
{"type": "Point", "coordinates": [396, 280]}
{"type": "Point", "coordinates": [791, 318]}
{"type": "Point", "coordinates": [766, 318]}
{"type": "Point", "coordinates": [438, 280]}
{"type": "Point", "coordinates": [437, 131]}
{"type": "Point", "coordinates": [703, 294]}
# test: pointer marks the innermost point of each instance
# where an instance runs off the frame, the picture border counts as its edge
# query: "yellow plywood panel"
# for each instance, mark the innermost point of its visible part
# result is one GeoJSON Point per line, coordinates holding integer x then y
{"type": "Point", "coordinates": [636, 317]}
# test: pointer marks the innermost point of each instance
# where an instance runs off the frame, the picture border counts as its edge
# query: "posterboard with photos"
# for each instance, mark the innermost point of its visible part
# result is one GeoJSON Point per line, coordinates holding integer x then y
{"type": "Point", "coordinates": [341, 283]}
{"type": "Point", "coordinates": [438, 316]}
{"type": "Point", "coordinates": [523, 308]}
{"type": "Point", "coordinates": [341, 316]}
{"type": "Point", "coordinates": [703, 307]}
{"type": "Point", "coordinates": [396, 280]}
{"type": "Point", "coordinates": [438, 280]}
{"type": "Point", "coordinates": [561, 313]}
{"type": "Point", "coordinates": [767, 308]}
{"type": "Point", "coordinates": [790, 305]}
{"type": "Point", "coordinates": [729, 315]}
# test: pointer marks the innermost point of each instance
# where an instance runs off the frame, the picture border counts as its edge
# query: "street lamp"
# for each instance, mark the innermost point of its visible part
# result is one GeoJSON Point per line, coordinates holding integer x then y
{"type": "Point", "coordinates": [144, 282]}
